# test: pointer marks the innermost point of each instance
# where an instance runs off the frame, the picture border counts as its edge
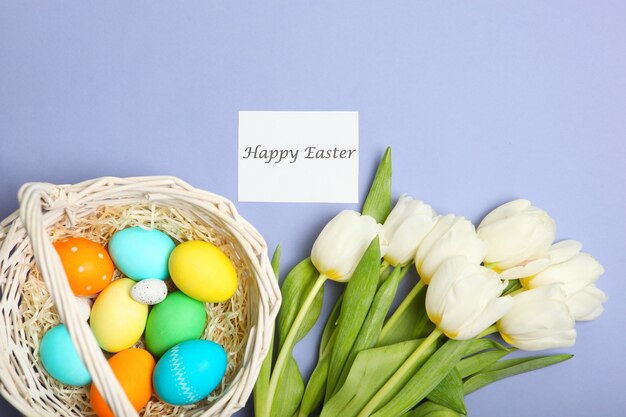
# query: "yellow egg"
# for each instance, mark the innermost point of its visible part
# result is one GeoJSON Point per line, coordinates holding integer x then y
{"type": "Point", "coordinates": [202, 271]}
{"type": "Point", "coordinates": [116, 319]}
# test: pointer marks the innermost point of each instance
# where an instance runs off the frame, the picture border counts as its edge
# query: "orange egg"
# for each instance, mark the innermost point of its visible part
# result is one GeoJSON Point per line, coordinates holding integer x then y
{"type": "Point", "coordinates": [88, 266]}
{"type": "Point", "coordinates": [133, 369]}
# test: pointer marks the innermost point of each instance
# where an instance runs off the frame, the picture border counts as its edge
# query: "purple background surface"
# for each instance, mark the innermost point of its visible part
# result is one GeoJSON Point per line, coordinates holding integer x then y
{"type": "Point", "coordinates": [481, 101]}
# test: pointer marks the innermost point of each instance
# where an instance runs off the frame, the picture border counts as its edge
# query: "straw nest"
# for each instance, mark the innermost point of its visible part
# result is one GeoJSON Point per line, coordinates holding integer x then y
{"type": "Point", "coordinates": [227, 322]}
{"type": "Point", "coordinates": [35, 295]}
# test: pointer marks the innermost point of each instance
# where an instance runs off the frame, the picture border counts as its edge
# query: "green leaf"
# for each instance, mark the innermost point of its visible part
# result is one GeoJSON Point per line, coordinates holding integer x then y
{"type": "Point", "coordinates": [449, 392]}
{"type": "Point", "coordinates": [263, 380]}
{"type": "Point", "coordinates": [425, 379]}
{"type": "Point", "coordinates": [378, 201]}
{"type": "Point", "coordinates": [312, 314]}
{"type": "Point", "coordinates": [412, 323]}
{"type": "Point", "coordinates": [513, 285]}
{"type": "Point", "coordinates": [430, 409]}
{"type": "Point", "coordinates": [478, 345]}
{"type": "Point", "coordinates": [358, 297]}
{"type": "Point", "coordinates": [302, 285]}
{"type": "Point", "coordinates": [368, 335]}
{"type": "Point", "coordinates": [289, 391]}
{"type": "Point", "coordinates": [295, 289]}
{"type": "Point", "coordinates": [470, 366]}
{"type": "Point", "coordinates": [315, 388]}
{"type": "Point", "coordinates": [330, 327]}
{"type": "Point", "coordinates": [510, 367]}
{"type": "Point", "coordinates": [375, 366]}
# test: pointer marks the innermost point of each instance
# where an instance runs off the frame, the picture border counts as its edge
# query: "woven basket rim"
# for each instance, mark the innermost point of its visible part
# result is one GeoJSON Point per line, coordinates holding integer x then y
{"type": "Point", "coordinates": [39, 201]}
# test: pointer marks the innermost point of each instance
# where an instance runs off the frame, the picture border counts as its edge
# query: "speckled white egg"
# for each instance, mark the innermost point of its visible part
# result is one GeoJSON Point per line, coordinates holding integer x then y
{"type": "Point", "coordinates": [149, 291]}
{"type": "Point", "coordinates": [83, 304]}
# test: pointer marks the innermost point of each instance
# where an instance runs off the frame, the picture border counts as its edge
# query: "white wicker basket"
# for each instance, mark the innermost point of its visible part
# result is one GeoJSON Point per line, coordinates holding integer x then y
{"type": "Point", "coordinates": [25, 233]}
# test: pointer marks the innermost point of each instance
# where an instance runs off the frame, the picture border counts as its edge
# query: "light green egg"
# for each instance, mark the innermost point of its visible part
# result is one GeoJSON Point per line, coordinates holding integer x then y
{"type": "Point", "coordinates": [176, 319]}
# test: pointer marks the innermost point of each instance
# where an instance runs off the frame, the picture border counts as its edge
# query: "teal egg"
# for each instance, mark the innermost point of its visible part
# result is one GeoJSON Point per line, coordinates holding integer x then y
{"type": "Point", "coordinates": [141, 253]}
{"type": "Point", "coordinates": [60, 358]}
{"type": "Point", "coordinates": [189, 372]}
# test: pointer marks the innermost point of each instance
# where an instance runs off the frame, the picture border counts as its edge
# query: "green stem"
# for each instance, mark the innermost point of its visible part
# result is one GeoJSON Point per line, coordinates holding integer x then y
{"type": "Point", "coordinates": [517, 291]}
{"type": "Point", "coordinates": [489, 330]}
{"type": "Point", "coordinates": [395, 379]}
{"type": "Point", "coordinates": [401, 309]}
{"type": "Point", "coordinates": [290, 341]}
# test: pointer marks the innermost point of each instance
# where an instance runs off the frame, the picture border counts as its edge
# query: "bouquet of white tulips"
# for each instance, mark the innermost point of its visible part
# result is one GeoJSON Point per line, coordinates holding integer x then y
{"type": "Point", "coordinates": [505, 277]}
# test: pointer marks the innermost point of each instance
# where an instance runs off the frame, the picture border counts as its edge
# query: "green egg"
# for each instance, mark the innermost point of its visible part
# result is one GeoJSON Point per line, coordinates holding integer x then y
{"type": "Point", "coordinates": [176, 319]}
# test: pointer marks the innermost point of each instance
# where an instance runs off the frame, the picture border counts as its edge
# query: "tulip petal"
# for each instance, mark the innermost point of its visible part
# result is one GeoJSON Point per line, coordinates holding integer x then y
{"type": "Point", "coordinates": [563, 251]}
{"type": "Point", "coordinates": [586, 305]}
{"type": "Point", "coordinates": [492, 313]}
{"type": "Point", "coordinates": [463, 298]}
{"type": "Point", "coordinates": [405, 228]}
{"type": "Point", "coordinates": [509, 209]}
{"type": "Point", "coordinates": [539, 319]}
{"type": "Point", "coordinates": [574, 274]}
{"type": "Point", "coordinates": [451, 236]}
{"type": "Point", "coordinates": [529, 269]}
{"type": "Point", "coordinates": [516, 233]}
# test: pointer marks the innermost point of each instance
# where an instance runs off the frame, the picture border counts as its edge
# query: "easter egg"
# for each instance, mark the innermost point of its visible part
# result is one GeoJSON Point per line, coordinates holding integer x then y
{"type": "Point", "coordinates": [140, 253]}
{"type": "Point", "coordinates": [189, 372]}
{"type": "Point", "coordinates": [117, 321]}
{"type": "Point", "coordinates": [202, 271]}
{"type": "Point", "coordinates": [133, 369]}
{"type": "Point", "coordinates": [87, 265]}
{"type": "Point", "coordinates": [177, 319]}
{"type": "Point", "coordinates": [60, 358]}
{"type": "Point", "coordinates": [83, 305]}
{"type": "Point", "coordinates": [149, 291]}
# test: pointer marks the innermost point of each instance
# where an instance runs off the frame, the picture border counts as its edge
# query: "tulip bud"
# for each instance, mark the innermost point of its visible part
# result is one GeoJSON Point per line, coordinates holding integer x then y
{"type": "Point", "coordinates": [518, 236]}
{"type": "Point", "coordinates": [452, 235]}
{"type": "Point", "coordinates": [577, 273]}
{"type": "Point", "coordinates": [407, 224]}
{"type": "Point", "coordinates": [463, 298]}
{"type": "Point", "coordinates": [343, 241]}
{"type": "Point", "coordinates": [539, 319]}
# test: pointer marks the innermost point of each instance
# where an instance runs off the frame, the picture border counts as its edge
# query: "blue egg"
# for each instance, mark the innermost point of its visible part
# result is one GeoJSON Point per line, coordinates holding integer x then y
{"type": "Point", "coordinates": [140, 253]}
{"type": "Point", "coordinates": [60, 358]}
{"type": "Point", "coordinates": [189, 372]}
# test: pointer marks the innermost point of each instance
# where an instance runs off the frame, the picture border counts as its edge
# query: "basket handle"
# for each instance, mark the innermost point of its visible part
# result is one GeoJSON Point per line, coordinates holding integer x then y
{"type": "Point", "coordinates": [30, 197]}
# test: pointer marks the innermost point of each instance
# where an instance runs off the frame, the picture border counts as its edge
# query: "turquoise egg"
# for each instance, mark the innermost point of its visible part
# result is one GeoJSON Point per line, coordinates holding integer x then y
{"type": "Point", "coordinates": [60, 358]}
{"type": "Point", "coordinates": [141, 253]}
{"type": "Point", "coordinates": [189, 372]}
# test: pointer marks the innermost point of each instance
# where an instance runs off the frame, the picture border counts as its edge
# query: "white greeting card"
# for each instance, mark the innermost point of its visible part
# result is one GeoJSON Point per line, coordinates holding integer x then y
{"type": "Point", "coordinates": [298, 156]}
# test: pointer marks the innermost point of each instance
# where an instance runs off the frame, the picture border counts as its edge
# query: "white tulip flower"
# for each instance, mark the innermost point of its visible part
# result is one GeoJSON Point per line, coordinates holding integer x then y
{"type": "Point", "coordinates": [576, 272]}
{"type": "Point", "coordinates": [463, 298]}
{"type": "Point", "coordinates": [407, 224]}
{"type": "Point", "coordinates": [452, 235]}
{"type": "Point", "coordinates": [519, 236]}
{"type": "Point", "coordinates": [539, 319]}
{"type": "Point", "coordinates": [343, 241]}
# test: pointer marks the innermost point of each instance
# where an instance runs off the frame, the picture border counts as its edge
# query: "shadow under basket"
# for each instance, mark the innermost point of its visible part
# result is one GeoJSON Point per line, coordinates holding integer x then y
{"type": "Point", "coordinates": [35, 294]}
